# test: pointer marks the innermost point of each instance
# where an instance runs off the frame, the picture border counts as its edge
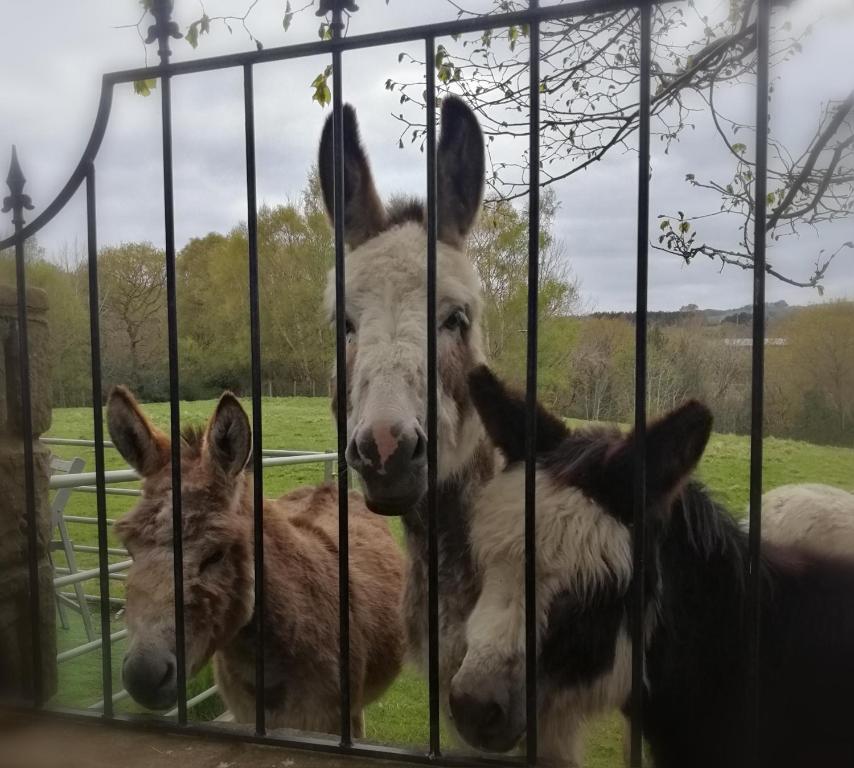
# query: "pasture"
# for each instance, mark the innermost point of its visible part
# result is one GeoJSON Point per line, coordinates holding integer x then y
{"type": "Point", "coordinates": [305, 423]}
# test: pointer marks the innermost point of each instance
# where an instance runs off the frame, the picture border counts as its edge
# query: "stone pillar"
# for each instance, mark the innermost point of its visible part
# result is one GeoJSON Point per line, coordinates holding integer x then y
{"type": "Point", "coordinates": [16, 637]}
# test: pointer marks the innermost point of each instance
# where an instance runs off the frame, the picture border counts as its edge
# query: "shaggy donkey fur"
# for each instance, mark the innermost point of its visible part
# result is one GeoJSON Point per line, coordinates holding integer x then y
{"type": "Point", "coordinates": [696, 708]}
{"type": "Point", "coordinates": [386, 304]}
{"type": "Point", "coordinates": [300, 571]}
{"type": "Point", "coordinates": [386, 295]}
{"type": "Point", "coordinates": [816, 516]}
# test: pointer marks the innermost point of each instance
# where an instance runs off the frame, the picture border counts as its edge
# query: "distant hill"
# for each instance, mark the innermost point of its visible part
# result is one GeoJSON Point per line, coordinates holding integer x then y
{"type": "Point", "coordinates": [737, 316]}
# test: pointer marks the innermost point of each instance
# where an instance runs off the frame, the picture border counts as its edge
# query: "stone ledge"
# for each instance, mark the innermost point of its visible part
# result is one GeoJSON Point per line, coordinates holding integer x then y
{"type": "Point", "coordinates": [40, 742]}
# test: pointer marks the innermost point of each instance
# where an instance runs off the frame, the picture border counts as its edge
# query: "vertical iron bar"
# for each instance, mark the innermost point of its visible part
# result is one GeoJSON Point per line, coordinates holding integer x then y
{"type": "Point", "coordinates": [16, 202]}
{"type": "Point", "coordinates": [531, 746]}
{"type": "Point", "coordinates": [639, 538]}
{"type": "Point", "coordinates": [255, 344]}
{"type": "Point", "coordinates": [341, 382]}
{"type": "Point", "coordinates": [432, 409]}
{"type": "Point", "coordinates": [98, 433]}
{"type": "Point", "coordinates": [763, 33]}
{"type": "Point", "coordinates": [174, 394]}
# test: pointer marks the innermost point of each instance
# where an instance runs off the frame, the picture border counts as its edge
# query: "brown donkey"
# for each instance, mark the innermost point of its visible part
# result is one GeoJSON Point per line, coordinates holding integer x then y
{"type": "Point", "coordinates": [301, 579]}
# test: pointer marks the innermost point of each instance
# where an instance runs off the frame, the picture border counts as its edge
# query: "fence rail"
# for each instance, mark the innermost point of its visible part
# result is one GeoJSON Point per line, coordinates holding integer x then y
{"type": "Point", "coordinates": [531, 17]}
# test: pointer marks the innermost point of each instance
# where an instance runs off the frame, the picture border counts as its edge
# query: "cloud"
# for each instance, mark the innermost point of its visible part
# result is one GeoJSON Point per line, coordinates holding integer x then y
{"type": "Point", "coordinates": [50, 102]}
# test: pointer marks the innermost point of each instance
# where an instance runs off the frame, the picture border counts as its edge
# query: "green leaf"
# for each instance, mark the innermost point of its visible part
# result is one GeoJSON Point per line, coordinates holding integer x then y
{"type": "Point", "coordinates": [205, 24]}
{"type": "Point", "coordinates": [192, 35]}
{"type": "Point", "coordinates": [770, 198]}
{"type": "Point", "coordinates": [664, 225]}
{"type": "Point", "coordinates": [322, 95]}
{"type": "Point", "coordinates": [684, 227]}
{"type": "Point", "coordinates": [739, 148]}
{"type": "Point", "coordinates": [289, 16]}
{"type": "Point", "coordinates": [144, 87]}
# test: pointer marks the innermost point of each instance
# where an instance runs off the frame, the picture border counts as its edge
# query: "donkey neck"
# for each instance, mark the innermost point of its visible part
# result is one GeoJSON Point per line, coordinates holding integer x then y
{"type": "Point", "coordinates": [697, 659]}
{"type": "Point", "coordinates": [455, 496]}
{"type": "Point", "coordinates": [458, 582]}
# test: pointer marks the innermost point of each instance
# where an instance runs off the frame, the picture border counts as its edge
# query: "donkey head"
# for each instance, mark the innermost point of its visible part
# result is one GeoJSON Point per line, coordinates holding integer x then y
{"type": "Point", "coordinates": [217, 530]}
{"type": "Point", "coordinates": [386, 306]}
{"type": "Point", "coordinates": [584, 485]}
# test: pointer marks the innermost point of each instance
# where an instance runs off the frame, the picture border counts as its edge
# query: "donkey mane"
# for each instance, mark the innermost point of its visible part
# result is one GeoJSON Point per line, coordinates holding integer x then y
{"type": "Point", "coordinates": [192, 436]}
{"type": "Point", "coordinates": [709, 528]}
{"type": "Point", "coordinates": [404, 210]}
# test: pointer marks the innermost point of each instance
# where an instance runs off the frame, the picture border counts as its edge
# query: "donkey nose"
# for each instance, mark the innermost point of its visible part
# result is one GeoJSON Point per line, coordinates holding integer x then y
{"type": "Point", "coordinates": [150, 678]}
{"type": "Point", "coordinates": [478, 719]}
{"type": "Point", "coordinates": [387, 448]}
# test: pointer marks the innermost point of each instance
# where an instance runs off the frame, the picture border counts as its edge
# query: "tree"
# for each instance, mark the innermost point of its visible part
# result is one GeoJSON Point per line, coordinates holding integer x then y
{"type": "Point", "coordinates": [294, 254]}
{"type": "Point", "coordinates": [815, 371]}
{"type": "Point", "coordinates": [133, 306]}
{"type": "Point", "coordinates": [601, 369]}
{"type": "Point", "coordinates": [588, 92]}
{"type": "Point", "coordinates": [498, 246]}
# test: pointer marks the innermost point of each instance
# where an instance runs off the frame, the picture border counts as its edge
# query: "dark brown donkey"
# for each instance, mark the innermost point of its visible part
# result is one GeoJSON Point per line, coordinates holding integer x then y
{"type": "Point", "coordinates": [301, 579]}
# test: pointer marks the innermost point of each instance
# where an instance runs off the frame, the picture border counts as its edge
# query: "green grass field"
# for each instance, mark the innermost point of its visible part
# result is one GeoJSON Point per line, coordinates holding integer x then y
{"type": "Point", "coordinates": [305, 423]}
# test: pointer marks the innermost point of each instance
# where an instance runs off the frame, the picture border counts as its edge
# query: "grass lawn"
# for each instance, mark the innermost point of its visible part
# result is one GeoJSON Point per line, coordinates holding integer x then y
{"type": "Point", "coordinates": [305, 423]}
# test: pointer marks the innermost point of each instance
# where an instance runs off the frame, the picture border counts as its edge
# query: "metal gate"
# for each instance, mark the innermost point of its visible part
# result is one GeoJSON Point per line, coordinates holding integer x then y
{"type": "Point", "coordinates": [84, 175]}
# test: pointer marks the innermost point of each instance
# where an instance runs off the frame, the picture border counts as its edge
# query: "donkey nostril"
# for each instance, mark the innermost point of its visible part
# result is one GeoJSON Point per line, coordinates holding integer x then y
{"type": "Point", "coordinates": [168, 674]}
{"type": "Point", "coordinates": [419, 450]}
{"type": "Point", "coordinates": [492, 715]}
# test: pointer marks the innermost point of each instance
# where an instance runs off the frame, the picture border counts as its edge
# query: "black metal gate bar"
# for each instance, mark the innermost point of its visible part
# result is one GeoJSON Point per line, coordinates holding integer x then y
{"type": "Point", "coordinates": [284, 53]}
{"type": "Point", "coordinates": [98, 434]}
{"type": "Point", "coordinates": [255, 344]}
{"type": "Point", "coordinates": [763, 34]}
{"type": "Point", "coordinates": [174, 389]}
{"type": "Point", "coordinates": [387, 37]}
{"type": "Point", "coordinates": [17, 202]}
{"type": "Point", "coordinates": [77, 177]}
{"type": "Point", "coordinates": [531, 746]}
{"type": "Point", "coordinates": [341, 379]}
{"type": "Point", "coordinates": [432, 404]}
{"type": "Point", "coordinates": [639, 513]}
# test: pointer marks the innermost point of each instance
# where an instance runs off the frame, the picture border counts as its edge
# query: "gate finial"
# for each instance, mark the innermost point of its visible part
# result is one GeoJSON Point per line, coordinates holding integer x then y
{"type": "Point", "coordinates": [163, 28]}
{"type": "Point", "coordinates": [16, 201]}
{"type": "Point", "coordinates": [330, 6]}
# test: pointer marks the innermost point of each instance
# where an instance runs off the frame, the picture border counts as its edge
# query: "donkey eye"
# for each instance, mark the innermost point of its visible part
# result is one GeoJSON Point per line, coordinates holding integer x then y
{"type": "Point", "coordinates": [456, 320]}
{"type": "Point", "coordinates": [349, 328]}
{"type": "Point", "coordinates": [211, 560]}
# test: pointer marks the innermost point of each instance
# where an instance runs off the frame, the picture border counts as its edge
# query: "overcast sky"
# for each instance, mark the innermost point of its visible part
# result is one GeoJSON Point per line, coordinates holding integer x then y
{"type": "Point", "coordinates": [56, 50]}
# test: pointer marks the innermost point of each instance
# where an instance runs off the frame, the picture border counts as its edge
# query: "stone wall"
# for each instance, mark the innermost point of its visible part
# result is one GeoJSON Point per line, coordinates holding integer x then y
{"type": "Point", "coordinates": [16, 640]}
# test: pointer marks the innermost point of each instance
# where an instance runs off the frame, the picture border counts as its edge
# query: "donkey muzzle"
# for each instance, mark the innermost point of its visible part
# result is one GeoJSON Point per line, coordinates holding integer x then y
{"type": "Point", "coordinates": [150, 678]}
{"type": "Point", "coordinates": [391, 459]}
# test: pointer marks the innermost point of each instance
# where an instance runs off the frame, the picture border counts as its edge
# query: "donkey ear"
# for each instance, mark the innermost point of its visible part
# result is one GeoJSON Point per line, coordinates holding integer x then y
{"type": "Point", "coordinates": [503, 413]}
{"type": "Point", "coordinates": [228, 440]}
{"type": "Point", "coordinates": [364, 213]}
{"type": "Point", "coordinates": [140, 443]}
{"type": "Point", "coordinates": [460, 171]}
{"type": "Point", "coordinates": [674, 446]}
